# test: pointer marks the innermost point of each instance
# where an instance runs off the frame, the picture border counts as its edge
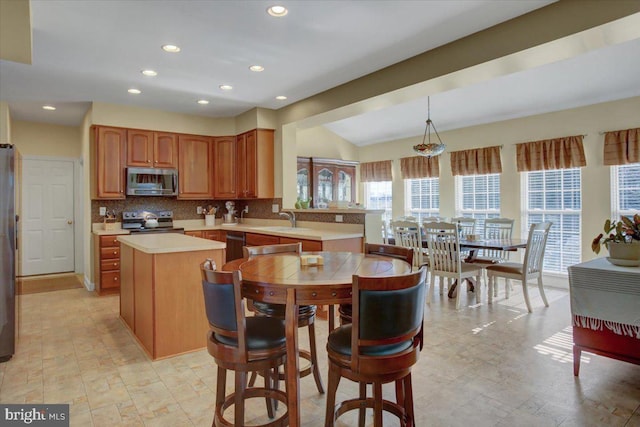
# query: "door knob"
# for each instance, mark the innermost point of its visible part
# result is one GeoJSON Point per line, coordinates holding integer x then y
{"type": "Point", "coordinates": [69, 222]}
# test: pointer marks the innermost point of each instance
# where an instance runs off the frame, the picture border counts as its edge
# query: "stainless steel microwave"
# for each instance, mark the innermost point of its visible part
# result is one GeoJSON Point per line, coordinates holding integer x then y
{"type": "Point", "coordinates": [152, 182]}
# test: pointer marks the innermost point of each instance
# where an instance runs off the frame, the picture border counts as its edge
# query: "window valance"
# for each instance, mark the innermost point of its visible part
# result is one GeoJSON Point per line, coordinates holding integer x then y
{"type": "Point", "coordinates": [419, 167]}
{"type": "Point", "coordinates": [478, 161]}
{"type": "Point", "coordinates": [622, 147]}
{"type": "Point", "coordinates": [375, 171]}
{"type": "Point", "coordinates": [559, 153]}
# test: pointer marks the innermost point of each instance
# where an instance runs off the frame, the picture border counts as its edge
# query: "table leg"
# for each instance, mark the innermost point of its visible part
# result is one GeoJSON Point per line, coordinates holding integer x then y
{"type": "Point", "coordinates": [292, 368]}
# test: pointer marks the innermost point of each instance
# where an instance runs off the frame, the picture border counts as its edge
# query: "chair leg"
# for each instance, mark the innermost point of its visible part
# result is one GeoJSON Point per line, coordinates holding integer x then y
{"type": "Point", "coordinates": [495, 288]}
{"type": "Point", "coordinates": [544, 297]}
{"type": "Point", "coordinates": [252, 378]}
{"type": "Point", "coordinates": [332, 387]}
{"type": "Point", "coordinates": [221, 386]}
{"type": "Point", "coordinates": [363, 410]}
{"type": "Point", "coordinates": [377, 404]}
{"type": "Point", "coordinates": [238, 404]}
{"type": "Point", "coordinates": [478, 289]}
{"type": "Point", "coordinates": [458, 292]}
{"type": "Point", "coordinates": [507, 288]}
{"type": "Point", "coordinates": [490, 288]}
{"type": "Point", "coordinates": [577, 352]}
{"type": "Point", "coordinates": [408, 401]}
{"type": "Point", "coordinates": [525, 291]}
{"type": "Point", "coordinates": [431, 293]}
{"type": "Point", "coordinates": [314, 357]}
{"type": "Point", "coordinates": [268, 384]}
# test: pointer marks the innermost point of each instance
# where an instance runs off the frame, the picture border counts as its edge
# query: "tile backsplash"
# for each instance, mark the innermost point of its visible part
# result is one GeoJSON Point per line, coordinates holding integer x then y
{"type": "Point", "coordinates": [187, 209]}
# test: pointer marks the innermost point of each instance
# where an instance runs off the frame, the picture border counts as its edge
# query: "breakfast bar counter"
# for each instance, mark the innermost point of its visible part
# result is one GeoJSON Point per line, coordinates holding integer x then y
{"type": "Point", "coordinates": [161, 298]}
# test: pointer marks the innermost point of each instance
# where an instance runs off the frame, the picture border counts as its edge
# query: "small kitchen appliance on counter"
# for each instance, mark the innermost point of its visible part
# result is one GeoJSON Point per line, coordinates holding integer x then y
{"type": "Point", "coordinates": [231, 216]}
{"type": "Point", "coordinates": [149, 222]}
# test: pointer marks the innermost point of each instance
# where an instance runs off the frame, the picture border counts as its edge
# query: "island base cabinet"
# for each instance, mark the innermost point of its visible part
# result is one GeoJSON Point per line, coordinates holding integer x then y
{"type": "Point", "coordinates": [161, 300]}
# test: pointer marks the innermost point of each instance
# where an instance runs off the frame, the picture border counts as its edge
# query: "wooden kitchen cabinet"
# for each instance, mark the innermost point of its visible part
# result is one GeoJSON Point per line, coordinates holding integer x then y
{"type": "Point", "coordinates": [255, 239]}
{"type": "Point", "coordinates": [195, 167]}
{"type": "Point", "coordinates": [333, 180]}
{"type": "Point", "coordinates": [108, 160]}
{"type": "Point", "coordinates": [255, 171]}
{"type": "Point", "coordinates": [303, 178]}
{"type": "Point", "coordinates": [224, 168]}
{"type": "Point", "coordinates": [307, 245]}
{"type": "Point", "coordinates": [150, 149]}
{"type": "Point", "coordinates": [218, 235]}
{"type": "Point", "coordinates": [107, 264]}
{"type": "Point", "coordinates": [195, 233]}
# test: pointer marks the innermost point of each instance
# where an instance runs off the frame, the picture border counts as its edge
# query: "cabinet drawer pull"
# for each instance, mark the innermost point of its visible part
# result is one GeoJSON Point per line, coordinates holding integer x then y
{"type": "Point", "coordinates": [115, 279]}
{"type": "Point", "coordinates": [115, 252]}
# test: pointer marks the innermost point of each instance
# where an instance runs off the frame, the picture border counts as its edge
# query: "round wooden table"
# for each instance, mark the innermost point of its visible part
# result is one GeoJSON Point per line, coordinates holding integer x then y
{"type": "Point", "coordinates": [281, 279]}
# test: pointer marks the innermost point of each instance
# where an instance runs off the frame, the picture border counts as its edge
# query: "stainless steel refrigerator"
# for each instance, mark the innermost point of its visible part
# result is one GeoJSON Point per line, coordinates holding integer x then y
{"type": "Point", "coordinates": [7, 253]}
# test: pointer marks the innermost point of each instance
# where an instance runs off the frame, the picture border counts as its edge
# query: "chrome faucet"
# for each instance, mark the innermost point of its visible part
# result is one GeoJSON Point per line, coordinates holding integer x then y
{"type": "Point", "coordinates": [291, 216]}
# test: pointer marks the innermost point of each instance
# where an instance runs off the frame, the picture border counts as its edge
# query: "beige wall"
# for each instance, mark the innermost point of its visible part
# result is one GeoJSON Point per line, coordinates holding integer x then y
{"type": "Point", "coordinates": [142, 118]}
{"type": "Point", "coordinates": [321, 142]}
{"type": "Point", "coordinates": [589, 121]}
{"type": "Point", "coordinates": [43, 139]}
{"type": "Point", "coordinates": [5, 123]}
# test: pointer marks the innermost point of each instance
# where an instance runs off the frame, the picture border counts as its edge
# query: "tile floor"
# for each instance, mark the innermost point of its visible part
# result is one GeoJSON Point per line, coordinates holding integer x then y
{"type": "Point", "coordinates": [482, 366]}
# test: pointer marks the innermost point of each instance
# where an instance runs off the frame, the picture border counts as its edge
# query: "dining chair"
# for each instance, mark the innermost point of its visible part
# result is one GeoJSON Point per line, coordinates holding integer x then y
{"type": "Point", "coordinates": [495, 229]}
{"type": "Point", "coordinates": [443, 250]}
{"type": "Point", "coordinates": [374, 350]}
{"type": "Point", "coordinates": [391, 251]}
{"type": "Point", "coordinates": [408, 234]}
{"type": "Point", "coordinates": [466, 225]}
{"type": "Point", "coordinates": [306, 313]}
{"type": "Point", "coordinates": [241, 344]}
{"type": "Point", "coordinates": [530, 269]}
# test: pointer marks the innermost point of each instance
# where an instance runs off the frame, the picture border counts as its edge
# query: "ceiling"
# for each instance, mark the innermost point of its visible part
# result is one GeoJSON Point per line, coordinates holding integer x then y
{"type": "Point", "coordinates": [94, 51]}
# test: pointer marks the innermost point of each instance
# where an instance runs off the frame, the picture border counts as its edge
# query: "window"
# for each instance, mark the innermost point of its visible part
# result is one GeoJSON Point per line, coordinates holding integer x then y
{"type": "Point", "coordinates": [422, 197]}
{"type": "Point", "coordinates": [625, 181]}
{"type": "Point", "coordinates": [377, 195]}
{"type": "Point", "coordinates": [554, 195]}
{"type": "Point", "coordinates": [478, 196]}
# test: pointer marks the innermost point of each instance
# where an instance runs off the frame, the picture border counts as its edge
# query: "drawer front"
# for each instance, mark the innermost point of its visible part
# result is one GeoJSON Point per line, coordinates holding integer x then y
{"type": "Point", "coordinates": [109, 253]}
{"type": "Point", "coordinates": [261, 239]}
{"type": "Point", "coordinates": [110, 279]}
{"type": "Point", "coordinates": [110, 240]}
{"type": "Point", "coordinates": [110, 264]}
{"type": "Point", "coordinates": [193, 233]}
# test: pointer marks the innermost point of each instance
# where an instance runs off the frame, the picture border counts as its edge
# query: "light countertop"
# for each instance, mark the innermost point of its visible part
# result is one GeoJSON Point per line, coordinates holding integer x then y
{"type": "Point", "coordinates": [169, 242]}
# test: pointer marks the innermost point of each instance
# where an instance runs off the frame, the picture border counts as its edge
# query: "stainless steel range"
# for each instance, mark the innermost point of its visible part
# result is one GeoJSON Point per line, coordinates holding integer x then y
{"type": "Point", "coordinates": [149, 222]}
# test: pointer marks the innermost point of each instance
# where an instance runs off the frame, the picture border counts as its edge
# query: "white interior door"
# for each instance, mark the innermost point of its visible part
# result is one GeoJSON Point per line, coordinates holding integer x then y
{"type": "Point", "coordinates": [47, 217]}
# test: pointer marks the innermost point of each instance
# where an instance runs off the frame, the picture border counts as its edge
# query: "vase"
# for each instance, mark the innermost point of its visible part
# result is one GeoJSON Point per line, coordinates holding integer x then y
{"type": "Point", "coordinates": [627, 254]}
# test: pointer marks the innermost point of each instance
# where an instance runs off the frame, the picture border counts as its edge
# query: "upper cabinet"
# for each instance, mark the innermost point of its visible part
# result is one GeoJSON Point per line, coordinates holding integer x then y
{"type": "Point", "coordinates": [254, 156]}
{"type": "Point", "coordinates": [224, 168]}
{"type": "Point", "coordinates": [303, 178]}
{"type": "Point", "coordinates": [195, 164]}
{"type": "Point", "coordinates": [108, 147]}
{"type": "Point", "coordinates": [152, 149]}
{"type": "Point", "coordinates": [326, 180]}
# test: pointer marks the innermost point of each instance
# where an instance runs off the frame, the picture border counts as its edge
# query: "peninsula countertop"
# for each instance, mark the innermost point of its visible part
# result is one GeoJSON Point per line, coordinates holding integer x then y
{"type": "Point", "coordinates": [160, 243]}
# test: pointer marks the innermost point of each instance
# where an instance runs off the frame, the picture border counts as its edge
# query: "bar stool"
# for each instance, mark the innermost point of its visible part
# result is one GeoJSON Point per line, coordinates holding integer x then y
{"type": "Point", "coordinates": [241, 344]}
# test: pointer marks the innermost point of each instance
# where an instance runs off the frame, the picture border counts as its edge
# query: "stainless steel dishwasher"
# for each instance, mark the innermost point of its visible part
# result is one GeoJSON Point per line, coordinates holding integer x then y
{"type": "Point", "coordinates": [235, 242]}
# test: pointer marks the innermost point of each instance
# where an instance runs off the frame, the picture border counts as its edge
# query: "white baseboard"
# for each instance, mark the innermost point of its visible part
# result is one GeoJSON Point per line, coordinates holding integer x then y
{"type": "Point", "coordinates": [89, 285]}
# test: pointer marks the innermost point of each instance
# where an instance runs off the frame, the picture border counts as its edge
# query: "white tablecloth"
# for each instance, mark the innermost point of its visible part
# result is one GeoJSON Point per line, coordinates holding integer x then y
{"type": "Point", "coordinates": [604, 295]}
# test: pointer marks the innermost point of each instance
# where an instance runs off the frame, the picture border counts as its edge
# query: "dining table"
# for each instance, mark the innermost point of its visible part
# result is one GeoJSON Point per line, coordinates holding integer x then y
{"type": "Point", "coordinates": [475, 246]}
{"type": "Point", "coordinates": [316, 278]}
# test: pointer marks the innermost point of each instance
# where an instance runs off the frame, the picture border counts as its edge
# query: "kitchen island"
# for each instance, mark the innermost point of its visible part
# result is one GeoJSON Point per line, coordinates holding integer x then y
{"type": "Point", "coordinates": [161, 298]}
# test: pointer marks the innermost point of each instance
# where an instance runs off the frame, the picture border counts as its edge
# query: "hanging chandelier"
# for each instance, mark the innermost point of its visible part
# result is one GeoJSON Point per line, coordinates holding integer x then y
{"type": "Point", "coordinates": [428, 148]}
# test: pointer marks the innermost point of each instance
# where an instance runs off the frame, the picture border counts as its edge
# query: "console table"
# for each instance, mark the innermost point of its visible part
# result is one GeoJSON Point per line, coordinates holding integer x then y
{"type": "Point", "coordinates": [605, 311]}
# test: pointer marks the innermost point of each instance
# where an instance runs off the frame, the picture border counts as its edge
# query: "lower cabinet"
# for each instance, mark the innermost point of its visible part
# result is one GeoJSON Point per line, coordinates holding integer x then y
{"type": "Point", "coordinates": [107, 264]}
{"type": "Point", "coordinates": [340, 245]}
{"type": "Point", "coordinates": [161, 299]}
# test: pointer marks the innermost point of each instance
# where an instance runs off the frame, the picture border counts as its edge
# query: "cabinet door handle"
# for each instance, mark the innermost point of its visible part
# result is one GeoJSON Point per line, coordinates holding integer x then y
{"type": "Point", "coordinates": [115, 279]}
{"type": "Point", "coordinates": [115, 252]}
{"type": "Point", "coordinates": [148, 161]}
{"type": "Point", "coordinates": [115, 263]}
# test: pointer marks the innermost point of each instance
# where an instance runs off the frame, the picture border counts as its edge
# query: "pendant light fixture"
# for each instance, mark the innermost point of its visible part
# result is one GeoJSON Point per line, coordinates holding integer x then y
{"type": "Point", "coordinates": [428, 148]}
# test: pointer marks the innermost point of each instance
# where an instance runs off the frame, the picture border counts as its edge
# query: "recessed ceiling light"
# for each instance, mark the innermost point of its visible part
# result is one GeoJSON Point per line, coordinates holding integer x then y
{"type": "Point", "coordinates": [203, 101]}
{"type": "Point", "coordinates": [171, 48]}
{"type": "Point", "coordinates": [48, 107]}
{"type": "Point", "coordinates": [277, 11]}
{"type": "Point", "coordinates": [256, 68]}
{"type": "Point", "coordinates": [226, 87]}
{"type": "Point", "coordinates": [281, 97]}
{"type": "Point", "coordinates": [134, 91]}
{"type": "Point", "coordinates": [149, 73]}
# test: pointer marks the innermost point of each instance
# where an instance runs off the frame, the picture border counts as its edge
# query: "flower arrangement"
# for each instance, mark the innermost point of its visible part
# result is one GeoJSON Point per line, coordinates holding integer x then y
{"type": "Point", "coordinates": [624, 231]}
